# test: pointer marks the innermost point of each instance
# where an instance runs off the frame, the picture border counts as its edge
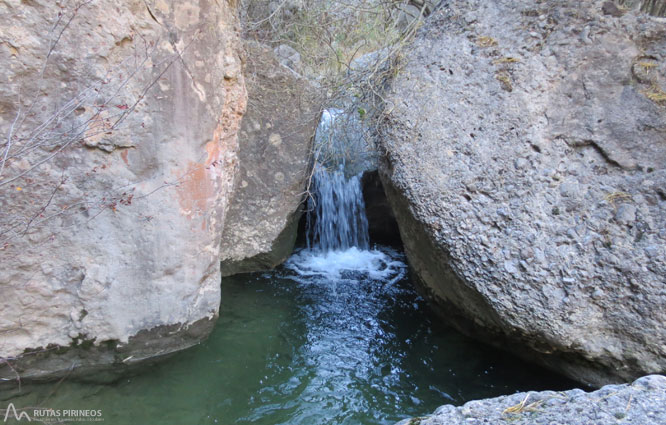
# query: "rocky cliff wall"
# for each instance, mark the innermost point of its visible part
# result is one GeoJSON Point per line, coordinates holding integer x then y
{"type": "Point", "coordinates": [119, 124]}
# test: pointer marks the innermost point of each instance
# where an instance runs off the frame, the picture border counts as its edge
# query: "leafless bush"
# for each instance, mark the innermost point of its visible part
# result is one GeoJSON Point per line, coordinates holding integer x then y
{"type": "Point", "coordinates": [81, 117]}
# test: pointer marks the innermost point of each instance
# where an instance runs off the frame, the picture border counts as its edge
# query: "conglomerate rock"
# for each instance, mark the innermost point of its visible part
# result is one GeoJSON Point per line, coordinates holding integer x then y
{"type": "Point", "coordinates": [525, 159]}
{"type": "Point", "coordinates": [643, 402]}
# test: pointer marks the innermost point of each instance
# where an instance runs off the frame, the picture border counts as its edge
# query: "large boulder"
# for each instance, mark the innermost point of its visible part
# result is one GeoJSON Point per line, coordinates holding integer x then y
{"type": "Point", "coordinates": [119, 124]}
{"type": "Point", "coordinates": [275, 164]}
{"type": "Point", "coordinates": [643, 402]}
{"type": "Point", "coordinates": [526, 163]}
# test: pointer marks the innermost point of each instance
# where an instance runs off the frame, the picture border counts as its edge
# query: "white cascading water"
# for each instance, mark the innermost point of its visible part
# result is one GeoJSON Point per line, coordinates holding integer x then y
{"type": "Point", "coordinates": [336, 212]}
{"type": "Point", "coordinates": [338, 246]}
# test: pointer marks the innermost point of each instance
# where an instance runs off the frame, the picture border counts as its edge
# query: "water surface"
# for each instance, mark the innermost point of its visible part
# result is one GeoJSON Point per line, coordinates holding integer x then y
{"type": "Point", "coordinates": [335, 338]}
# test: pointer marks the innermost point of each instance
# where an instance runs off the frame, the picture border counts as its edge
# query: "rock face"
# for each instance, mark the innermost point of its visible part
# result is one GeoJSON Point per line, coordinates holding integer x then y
{"type": "Point", "coordinates": [122, 120]}
{"type": "Point", "coordinates": [275, 165]}
{"type": "Point", "coordinates": [525, 160]}
{"type": "Point", "coordinates": [643, 402]}
{"type": "Point", "coordinates": [382, 227]}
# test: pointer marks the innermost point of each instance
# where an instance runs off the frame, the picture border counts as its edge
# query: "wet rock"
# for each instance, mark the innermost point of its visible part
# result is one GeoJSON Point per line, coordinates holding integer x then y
{"type": "Point", "coordinates": [567, 163]}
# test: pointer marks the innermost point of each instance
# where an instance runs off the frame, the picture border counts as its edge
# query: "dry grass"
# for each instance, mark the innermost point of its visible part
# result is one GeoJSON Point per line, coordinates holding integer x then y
{"type": "Point", "coordinates": [485, 41]}
{"type": "Point", "coordinates": [328, 35]}
{"type": "Point", "coordinates": [647, 65]}
{"type": "Point", "coordinates": [618, 197]}
{"type": "Point", "coordinates": [522, 407]}
{"type": "Point", "coordinates": [507, 59]}
{"type": "Point", "coordinates": [505, 81]}
{"type": "Point", "coordinates": [656, 94]}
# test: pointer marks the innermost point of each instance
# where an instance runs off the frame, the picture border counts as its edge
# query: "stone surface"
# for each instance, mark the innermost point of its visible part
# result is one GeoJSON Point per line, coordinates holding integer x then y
{"type": "Point", "coordinates": [275, 164]}
{"type": "Point", "coordinates": [412, 10]}
{"type": "Point", "coordinates": [525, 160]}
{"type": "Point", "coordinates": [643, 402]}
{"type": "Point", "coordinates": [112, 211]}
{"type": "Point", "coordinates": [289, 57]}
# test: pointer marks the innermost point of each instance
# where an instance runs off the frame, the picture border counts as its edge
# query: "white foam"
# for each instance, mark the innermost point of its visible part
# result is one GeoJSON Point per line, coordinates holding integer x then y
{"type": "Point", "coordinates": [381, 264]}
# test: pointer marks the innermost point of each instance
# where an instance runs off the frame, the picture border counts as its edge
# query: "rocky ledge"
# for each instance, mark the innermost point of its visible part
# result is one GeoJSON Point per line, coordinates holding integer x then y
{"type": "Point", "coordinates": [643, 402]}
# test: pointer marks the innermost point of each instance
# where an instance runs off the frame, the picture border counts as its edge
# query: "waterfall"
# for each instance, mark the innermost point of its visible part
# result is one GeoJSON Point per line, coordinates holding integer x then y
{"type": "Point", "coordinates": [336, 217]}
{"type": "Point", "coordinates": [336, 212]}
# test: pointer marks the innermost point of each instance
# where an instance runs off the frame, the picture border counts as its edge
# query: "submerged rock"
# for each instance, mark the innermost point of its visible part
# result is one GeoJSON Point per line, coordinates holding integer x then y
{"type": "Point", "coordinates": [643, 402]}
{"type": "Point", "coordinates": [275, 165]}
{"type": "Point", "coordinates": [526, 164]}
{"type": "Point", "coordinates": [118, 177]}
